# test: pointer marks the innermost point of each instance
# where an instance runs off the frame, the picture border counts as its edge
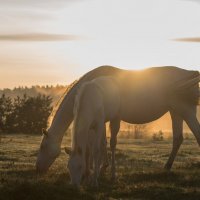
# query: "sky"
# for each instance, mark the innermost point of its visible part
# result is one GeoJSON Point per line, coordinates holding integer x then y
{"type": "Point", "coordinates": [55, 42]}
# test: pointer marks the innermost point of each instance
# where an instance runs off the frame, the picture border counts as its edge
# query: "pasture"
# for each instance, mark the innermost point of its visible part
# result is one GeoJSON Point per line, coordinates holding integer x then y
{"type": "Point", "coordinates": [140, 173]}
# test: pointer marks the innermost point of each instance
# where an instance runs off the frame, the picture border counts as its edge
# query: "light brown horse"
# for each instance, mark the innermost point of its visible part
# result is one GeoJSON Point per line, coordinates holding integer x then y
{"type": "Point", "coordinates": [145, 96]}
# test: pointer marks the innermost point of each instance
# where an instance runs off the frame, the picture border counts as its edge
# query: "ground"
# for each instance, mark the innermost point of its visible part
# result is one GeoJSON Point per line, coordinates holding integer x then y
{"type": "Point", "coordinates": [140, 173]}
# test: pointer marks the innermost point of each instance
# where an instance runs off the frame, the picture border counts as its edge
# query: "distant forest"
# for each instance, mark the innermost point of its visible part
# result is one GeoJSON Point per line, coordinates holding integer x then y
{"type": "Point", "coordinates": [55, 92]}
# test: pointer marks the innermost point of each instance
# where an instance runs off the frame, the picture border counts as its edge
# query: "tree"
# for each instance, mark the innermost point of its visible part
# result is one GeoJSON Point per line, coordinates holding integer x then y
{"type": "Point", "coordinates": [24, 114]}
{"type": "Point", "coordinates": [6, 108]}
{"type": "Point", "coordinates": [32, 113]}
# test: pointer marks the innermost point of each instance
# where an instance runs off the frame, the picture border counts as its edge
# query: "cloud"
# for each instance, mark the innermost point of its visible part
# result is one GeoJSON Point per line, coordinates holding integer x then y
{"type": "Point", "coordinates": [27, 15]}
{"type": "Point", "coordinates": [191, 39]}
{"type": "Point", "coordinates": [26, 10]}
{"type": "Point", "coordinates": [197, 1]}
{"type": "Point", "coordinates": [38, 37]}
{"type": "Point", "coordinates": [45, 4]}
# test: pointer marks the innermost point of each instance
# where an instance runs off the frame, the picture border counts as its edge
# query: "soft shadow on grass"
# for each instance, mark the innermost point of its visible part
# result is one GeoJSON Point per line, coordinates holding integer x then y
{"type": "Point", "coordinates": [41, 190]}
{"type": "Point", "coordinates": [128, 185]}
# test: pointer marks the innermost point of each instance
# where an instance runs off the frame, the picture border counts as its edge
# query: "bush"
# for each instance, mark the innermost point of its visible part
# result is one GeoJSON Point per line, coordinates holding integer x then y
{"type": "Point", "coordinates": [24, 114]}
{"type": "Point", "coordinates": [6, 109]}
{"type": "Point", "coordinates": [159, 136]}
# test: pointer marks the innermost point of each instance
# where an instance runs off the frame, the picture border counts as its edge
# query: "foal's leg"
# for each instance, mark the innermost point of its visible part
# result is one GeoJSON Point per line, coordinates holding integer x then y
{"type": "Point", "coordinates": [104, 155]}
{"type": "Point", "coordinates": [114, 128]}
{"type": "Point", "coordinates": [89, 155]}
{"type": "Point", "coordinates": [90, 147]}
{"type": "Point", "coordinates": [177, 127]}
{"type": "Point", "coordinates": [96, 150]}
{"type": "Point", "coordinates": [86, 176]}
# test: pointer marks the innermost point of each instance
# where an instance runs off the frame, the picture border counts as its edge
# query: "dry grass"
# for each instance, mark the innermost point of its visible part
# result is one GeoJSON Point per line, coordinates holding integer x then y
{"type": "Point", "coordinates": [139, 172]}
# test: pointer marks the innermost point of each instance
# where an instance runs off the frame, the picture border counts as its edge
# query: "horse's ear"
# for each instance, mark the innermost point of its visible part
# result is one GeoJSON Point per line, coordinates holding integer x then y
{"type": "Point", "coordinates": [68, 150]}
{"type": "Point", "coordinates": [44, 132]}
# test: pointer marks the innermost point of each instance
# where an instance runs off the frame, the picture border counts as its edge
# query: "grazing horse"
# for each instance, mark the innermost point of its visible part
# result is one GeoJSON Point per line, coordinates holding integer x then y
{"type": "Point", "coordinates": [145, 95]}
{"type": "Point", "coordinates": [97, 102]}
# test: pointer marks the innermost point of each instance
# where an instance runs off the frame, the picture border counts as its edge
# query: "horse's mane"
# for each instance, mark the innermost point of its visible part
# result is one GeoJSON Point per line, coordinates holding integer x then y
{"type": "Point", "coordinates": [57, 105]}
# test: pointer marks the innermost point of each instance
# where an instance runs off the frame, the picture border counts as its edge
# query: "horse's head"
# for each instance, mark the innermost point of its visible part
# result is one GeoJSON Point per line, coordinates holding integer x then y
{"type": "Point", "coordinates": [48, 152]}
{"type": "Point", "coordinates": [76, 166]}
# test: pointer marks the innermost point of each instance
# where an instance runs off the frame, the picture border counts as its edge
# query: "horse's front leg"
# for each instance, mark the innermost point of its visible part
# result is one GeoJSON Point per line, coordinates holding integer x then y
{"type": "Point", "coordinates": [114, 128]}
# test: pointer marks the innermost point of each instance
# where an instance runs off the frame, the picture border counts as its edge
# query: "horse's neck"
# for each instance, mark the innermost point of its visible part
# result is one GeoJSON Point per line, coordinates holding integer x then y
{"type": "Point", "coordinates": [62, 118]}
{"type": "Point", "coordinates": [59, 126]}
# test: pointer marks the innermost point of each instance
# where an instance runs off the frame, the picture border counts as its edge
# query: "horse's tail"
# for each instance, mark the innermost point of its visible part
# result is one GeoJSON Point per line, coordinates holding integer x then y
{"type": "Point", "coordinates": [188, 89]}
{"type": "Point", "coordinates": [199, 96]}
{"type": "Point", "coordinates": [188, 83]}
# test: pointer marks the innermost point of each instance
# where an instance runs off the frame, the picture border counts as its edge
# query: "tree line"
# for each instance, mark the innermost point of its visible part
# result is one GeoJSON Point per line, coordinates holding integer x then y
{"type": "Point", "coordinates": [24, 114]}
{"type": "Point", "coordinates": [54, 91]}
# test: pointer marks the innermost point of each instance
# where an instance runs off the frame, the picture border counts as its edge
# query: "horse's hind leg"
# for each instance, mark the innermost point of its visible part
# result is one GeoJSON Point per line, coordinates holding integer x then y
{"type": "Point", "coordinates": [114, 128]}
{"type": "Point", "coordinates": [191, 120]}
{"type": "Point", "coordinates": [177, 127]}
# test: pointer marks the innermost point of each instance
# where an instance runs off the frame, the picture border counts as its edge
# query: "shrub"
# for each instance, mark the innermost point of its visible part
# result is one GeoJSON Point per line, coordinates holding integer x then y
{"type": "Point", "coordinates": [24, 114]}
{"type": "Point", "coordinates": [159, 136]}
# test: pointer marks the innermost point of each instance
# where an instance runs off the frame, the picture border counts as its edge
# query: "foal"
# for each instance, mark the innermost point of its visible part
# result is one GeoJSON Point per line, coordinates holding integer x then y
{"type": "Point", "coordinates": [97, 102]}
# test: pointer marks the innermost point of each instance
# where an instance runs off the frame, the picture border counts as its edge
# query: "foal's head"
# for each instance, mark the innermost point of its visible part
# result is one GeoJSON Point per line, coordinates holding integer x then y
{"type": "Point", "coordinates": [76, 165]}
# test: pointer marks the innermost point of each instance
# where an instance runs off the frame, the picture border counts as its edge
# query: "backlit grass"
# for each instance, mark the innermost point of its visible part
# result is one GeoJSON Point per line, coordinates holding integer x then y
{"type": "Point", "coordinates": [140, 173]}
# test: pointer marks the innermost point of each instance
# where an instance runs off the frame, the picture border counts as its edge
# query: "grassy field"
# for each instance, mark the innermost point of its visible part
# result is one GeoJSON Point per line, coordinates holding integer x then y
{"type": "Point", "coordinates": [140, 173]}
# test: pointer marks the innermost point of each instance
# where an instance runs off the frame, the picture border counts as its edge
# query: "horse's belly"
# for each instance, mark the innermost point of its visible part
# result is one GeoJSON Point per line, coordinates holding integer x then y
{"type": "Point", "coordinates": [141, 118]}
{"type": "Point", "coordinates": [139, 113]}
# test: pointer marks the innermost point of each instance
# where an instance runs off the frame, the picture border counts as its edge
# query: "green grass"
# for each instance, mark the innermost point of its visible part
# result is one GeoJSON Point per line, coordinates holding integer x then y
{"type": "Point", "coordinates": [140, 173]}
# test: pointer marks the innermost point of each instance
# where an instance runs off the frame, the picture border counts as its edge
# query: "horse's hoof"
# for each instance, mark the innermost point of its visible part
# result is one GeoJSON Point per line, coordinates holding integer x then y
{"type": "Point", "coordinates": [167, 168]}
{"type": "Point", "coordinates": [103, 170]}
{"type": "Point", "coordinates": [88, 181]}
{"type": "Point", "coordinates": [95, 184]}
{"type": "Point", "coordinates": [113, 178]}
